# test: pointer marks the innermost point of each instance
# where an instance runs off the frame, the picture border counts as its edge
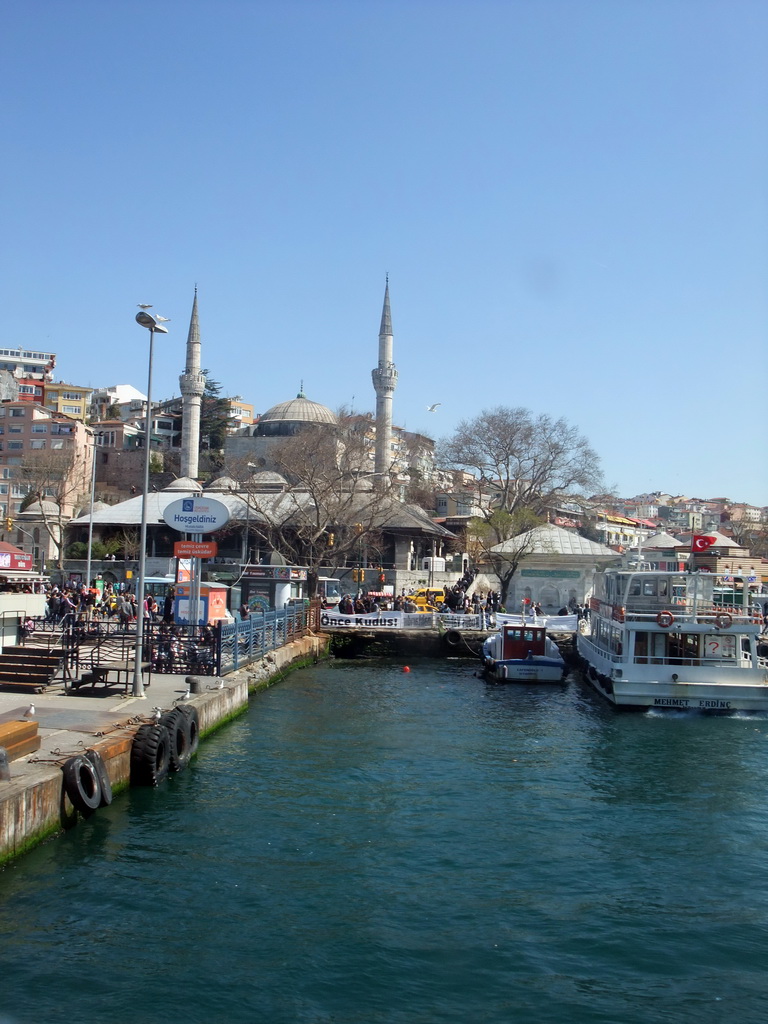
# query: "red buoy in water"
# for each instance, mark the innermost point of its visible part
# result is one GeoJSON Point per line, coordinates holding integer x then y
{"type": "Point", "coordinates": [406, 669]}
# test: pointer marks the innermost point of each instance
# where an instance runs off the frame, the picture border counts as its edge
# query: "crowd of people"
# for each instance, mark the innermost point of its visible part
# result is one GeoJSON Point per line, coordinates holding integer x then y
{"type": "Point", "coordinates": [75, 602]}
{"type": "Point", "coordinates": [456, 602]}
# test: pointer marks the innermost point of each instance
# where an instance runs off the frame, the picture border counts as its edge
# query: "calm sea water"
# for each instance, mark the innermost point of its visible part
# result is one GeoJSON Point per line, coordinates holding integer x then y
{"type": "Point", "coordinates": [368, 846]}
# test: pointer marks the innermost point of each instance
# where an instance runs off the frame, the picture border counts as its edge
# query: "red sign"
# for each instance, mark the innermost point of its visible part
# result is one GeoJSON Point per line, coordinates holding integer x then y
{"type": "Point", "coordinates": [16, 560]}
{"type": "Point", "coordinates": [195, 549]}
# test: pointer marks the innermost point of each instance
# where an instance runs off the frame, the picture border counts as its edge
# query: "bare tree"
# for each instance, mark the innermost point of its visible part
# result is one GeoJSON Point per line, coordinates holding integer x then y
{"type": "Point", "coordinates": [330, 514]}
{"type": "Point", "coordinates": [49, 476]}
{"type": "Point", "coordinates": [512, 530]}
{"type": "Point", "coordinates": [127, 541]}
{"type": "Point", "coordinates": [753, 536]}
{"type": "Point", "coordinates": [523, 465]}
{"type": "Point", "coordinates": [522, 460]}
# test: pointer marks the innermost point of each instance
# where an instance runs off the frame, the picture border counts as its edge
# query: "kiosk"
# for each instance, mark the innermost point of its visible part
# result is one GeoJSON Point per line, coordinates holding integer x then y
{"type": "Point", "coordinates": [212, 604]}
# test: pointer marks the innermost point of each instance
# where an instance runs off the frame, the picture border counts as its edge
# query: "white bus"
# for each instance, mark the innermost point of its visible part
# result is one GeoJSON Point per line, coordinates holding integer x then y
{"type": "Point", "coordinates": [329, 590]}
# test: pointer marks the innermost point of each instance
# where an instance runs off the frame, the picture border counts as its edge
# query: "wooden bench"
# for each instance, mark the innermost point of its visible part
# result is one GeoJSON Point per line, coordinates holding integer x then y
{"type": "Point", "coordinates": [19, 738]}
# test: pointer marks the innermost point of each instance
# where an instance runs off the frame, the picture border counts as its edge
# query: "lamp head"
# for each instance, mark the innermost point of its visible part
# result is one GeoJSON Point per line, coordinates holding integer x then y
{"type": "Point", "coordinates": [148, 321]}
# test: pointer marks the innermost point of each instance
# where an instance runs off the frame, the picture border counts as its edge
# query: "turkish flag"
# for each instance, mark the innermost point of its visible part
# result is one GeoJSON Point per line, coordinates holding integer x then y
{"type": "Point", "coordinates": [700, 543]}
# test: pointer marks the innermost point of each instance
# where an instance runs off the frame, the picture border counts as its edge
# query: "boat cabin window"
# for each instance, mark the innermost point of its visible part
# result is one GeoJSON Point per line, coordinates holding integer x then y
{"type": "Point", "coordinates": [649, 588]}
{"type": "Point", "coordinates": [519, 641]}
{"type": "Point", "coordinates": [529, 635]}
{"type": "Point", "coordinates": [650, 648]}
{"type": "Point", "coordinates": [720, 646]}
{"type": "Point", "coordinates": [682, 648]}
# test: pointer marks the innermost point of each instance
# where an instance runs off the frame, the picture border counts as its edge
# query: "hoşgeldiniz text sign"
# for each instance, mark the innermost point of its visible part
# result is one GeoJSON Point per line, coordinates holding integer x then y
{"type": "Point", "coordinates": [195, 549]}
{"type": "Point", "coordinates": [196, 515]}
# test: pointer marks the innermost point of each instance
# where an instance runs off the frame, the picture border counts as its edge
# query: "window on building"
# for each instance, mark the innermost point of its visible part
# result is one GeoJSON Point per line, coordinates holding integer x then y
{"type": "Point", "coordinates": [17, 412]}
{"type": "Point", "coordinates": [39, 428]}
{"type": "Point", "coordinates": [16, 430]}
{"type": "Point", "coordinates": [15, 445]}
{"type": "Point", "coordinates": [37, 444]}
{"type": "Point", "coordinates": [73, 410]}
{"type": "Point", "coordinates": [57, 444]}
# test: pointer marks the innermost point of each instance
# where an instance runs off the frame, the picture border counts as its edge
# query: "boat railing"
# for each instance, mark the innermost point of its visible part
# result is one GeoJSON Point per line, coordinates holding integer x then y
{"type": "Point", "coordinates": [722, 616]}
{"type": "Point", "coordinates": [734, 662]}
{"type": "Point", "coordinates": [724, 663]}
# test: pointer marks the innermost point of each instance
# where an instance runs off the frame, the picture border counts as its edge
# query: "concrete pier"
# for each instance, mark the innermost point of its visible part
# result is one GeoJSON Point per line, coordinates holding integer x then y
{"type": "Point", "coordinates": [34, 804]}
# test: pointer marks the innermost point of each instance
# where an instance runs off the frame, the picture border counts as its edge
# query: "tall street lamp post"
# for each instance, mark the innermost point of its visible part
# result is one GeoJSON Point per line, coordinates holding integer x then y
{"type": "Point", "coordinates": [90, 519]}
{"type": "Point", "coordinates": [154, 326]}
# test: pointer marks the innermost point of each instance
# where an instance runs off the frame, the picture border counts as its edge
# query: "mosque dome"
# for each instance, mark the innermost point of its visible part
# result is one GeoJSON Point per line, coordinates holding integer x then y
{"type": "Point", "coordinates": [223, 484]}
{"type": "Point", "coordinates": [287, 418]}
{"type": "Point", "coordinates": [41, 508]}
{"type": "Point", "coordinates": [85, 510]}
{"type": "Point", "coordinates": [268, 480]}
{"type": "Point", "coordinates": [184, 483]}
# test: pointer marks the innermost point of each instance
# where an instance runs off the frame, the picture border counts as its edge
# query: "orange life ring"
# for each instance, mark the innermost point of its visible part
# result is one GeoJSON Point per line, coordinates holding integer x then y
{"type": "Point", "coordinates": [665, 619]}
{"type": "Point", "coordinates": [723, 620]}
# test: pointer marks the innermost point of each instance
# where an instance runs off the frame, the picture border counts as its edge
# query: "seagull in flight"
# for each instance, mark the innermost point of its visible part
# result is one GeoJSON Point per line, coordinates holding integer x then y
{"type": "Point", "coordinates": [431, 408]}
{"type": "Point", "coordinates": [143, 305]}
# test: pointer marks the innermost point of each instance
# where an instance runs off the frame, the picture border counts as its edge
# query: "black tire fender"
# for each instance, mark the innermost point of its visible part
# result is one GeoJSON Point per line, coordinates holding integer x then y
{"type": "Point", "coordinates": [150, 755]}
{"type": "Point", "coordinates": [81, 784]}
{"type": "Point", "coordinates": [178, 731]}
{"type": "Point", "coordinates": [103, 776]}
{"type": "Point", "coordinates": [452, 637]}
{"type": "Point", "coordinates": [189, 711]}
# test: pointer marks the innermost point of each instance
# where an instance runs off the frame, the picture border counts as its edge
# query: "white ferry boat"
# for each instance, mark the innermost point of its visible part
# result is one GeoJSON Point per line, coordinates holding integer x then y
{"type": "Point", "coordinates": [660, 640]}
{"type": "Point", "coordinates": [522, 654]}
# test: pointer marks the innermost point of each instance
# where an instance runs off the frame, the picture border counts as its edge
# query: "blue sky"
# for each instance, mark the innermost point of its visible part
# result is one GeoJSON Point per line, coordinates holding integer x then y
{"type": "Point", "coordinates": [569, 198]}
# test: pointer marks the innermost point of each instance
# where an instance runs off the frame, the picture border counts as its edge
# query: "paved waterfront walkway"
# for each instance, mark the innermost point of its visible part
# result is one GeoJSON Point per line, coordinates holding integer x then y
{"type": "Point", "coordinates": [71, 722]}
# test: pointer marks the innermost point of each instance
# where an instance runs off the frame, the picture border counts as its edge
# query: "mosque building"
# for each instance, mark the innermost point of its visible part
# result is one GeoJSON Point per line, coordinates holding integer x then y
{"type": "Point", "coordinates": [283, 420]}
{"type": "Point", "coordinates": [391, 451]}
{"type": "Point", "coordinates": [409, 532]}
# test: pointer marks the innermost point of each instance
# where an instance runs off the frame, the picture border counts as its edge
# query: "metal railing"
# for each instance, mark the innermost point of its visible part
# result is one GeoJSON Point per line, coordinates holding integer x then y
{"type": "Point", "coordinates": [179, 650]}
{"type": "Point", "coordinates": [242, 642]}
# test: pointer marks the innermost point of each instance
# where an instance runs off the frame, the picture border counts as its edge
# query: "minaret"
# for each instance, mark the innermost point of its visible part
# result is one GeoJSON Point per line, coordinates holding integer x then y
{"type": "Point", "coordinates": [384, 384]}
{"type": "Point", "coordinates": [192, 384]}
